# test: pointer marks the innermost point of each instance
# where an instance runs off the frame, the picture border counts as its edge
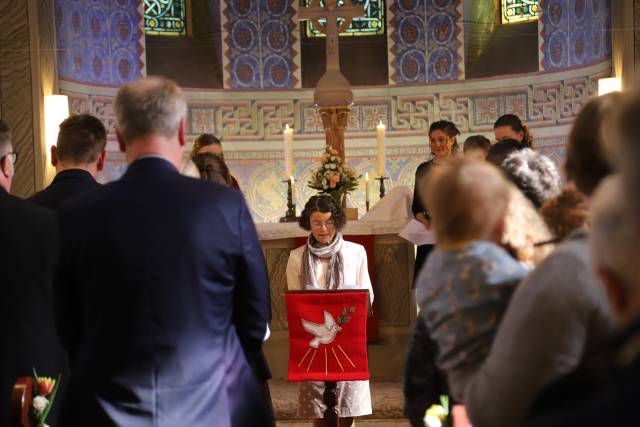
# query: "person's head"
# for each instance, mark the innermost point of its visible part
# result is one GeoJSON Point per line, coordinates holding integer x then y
{"type": "Point", "coordinates": [534, 174]}
{"type": "Point", "coordinates": [206, 143]}
{"type": "Point", "coordinates": [467, 199]}
{"type": "Point", "coordinates": [565, 213]}
{"type": "Point", "coordinates": [614, 249]}
{"type": "Point", "coordinates": [442, 139]}
{"type": "Point", "coordinates": [7, 157]}
{"type": "Point", "coordinates": [323, 216]}
{"type": "Point", "coordinates": [499, 151]}
{"type": "Point", "coordinates": [476, 147]}
{"type": "Point", "coordinates": [213, 168]}
{"type": "Point", "coordinates": [150, 119]}
{"type": "Point", "coordinates": [620, 135]}
{"type": "Point", "coordinates": [586, 163]}
{"type": "Point", "coordinates": [509, 126]}
{"type": "Point", "coordinates": [81, 144]}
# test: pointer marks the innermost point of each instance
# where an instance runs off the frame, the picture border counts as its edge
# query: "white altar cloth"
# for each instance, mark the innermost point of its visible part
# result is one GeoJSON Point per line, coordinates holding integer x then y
{"type": "Point", "coordinates": [389, 216]}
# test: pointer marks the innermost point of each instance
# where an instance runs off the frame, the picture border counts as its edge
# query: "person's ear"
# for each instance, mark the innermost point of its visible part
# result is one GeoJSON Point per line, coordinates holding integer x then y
{"type": "Point", "coordinates": [54, 156]}
{"type": "Point", "coordinates": [121, 144]}
{"type": "Point", "coordinates": [521, 136]}
{"type": "Point", "coordinates": [7, 167]}
{"type": "Point", "coordinates": [181, 132]}
{"type": "Point", "coordinates": [615, 292]}
{"type": "Point", "coordinates": [101, 159]}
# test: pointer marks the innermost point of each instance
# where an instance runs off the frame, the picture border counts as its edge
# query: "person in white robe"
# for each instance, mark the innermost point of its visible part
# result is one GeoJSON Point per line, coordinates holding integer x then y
{"type": "Point", "coordinates": [328, 261]}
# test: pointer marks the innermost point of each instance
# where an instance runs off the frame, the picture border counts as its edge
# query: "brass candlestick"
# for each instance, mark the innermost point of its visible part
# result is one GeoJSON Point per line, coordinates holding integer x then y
{"type": "Point", "coordinates": [382, 189]}
{"type": "Point", "coordinates": [290, 216]}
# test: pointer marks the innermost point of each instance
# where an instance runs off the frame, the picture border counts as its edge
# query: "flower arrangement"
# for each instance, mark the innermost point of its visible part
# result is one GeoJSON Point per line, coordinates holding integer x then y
{"type": "Point", "coordinates": [44, 395]}
{"type": "Point", "coordinates": [334, 176]}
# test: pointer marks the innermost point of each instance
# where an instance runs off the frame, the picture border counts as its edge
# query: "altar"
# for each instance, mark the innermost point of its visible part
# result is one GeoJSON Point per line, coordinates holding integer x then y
{"type": "Point", "coordinates": [390, 259]}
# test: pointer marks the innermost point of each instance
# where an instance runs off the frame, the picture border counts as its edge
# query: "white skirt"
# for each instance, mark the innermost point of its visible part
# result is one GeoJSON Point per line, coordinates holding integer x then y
{"type": "Point", "coordinates": [353, 399]}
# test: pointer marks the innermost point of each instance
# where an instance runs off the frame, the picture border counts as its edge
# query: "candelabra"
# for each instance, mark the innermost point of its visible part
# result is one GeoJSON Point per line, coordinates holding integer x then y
{"type": "Point", "coordinates": [382, 189]}
{"type": "Point", "coordinates": [290, 216]}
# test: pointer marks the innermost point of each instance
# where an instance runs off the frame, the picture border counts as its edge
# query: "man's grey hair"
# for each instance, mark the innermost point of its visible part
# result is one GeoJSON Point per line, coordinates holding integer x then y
{"type": "Point", "coordinates": [612, 239]}
{"type": "Point", "coordinates": [5, 138]}
{"type": "Point", "coordinates": [149, 106]}
{"type": "Point", "coordinates": [534, 174]}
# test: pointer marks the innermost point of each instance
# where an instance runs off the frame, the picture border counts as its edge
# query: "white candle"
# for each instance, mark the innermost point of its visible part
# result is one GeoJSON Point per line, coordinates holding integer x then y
{"type": "Point", "coordinates": [288, 151]}
{"type": "Point", "coordinates": [380, 131]}
{"type": "Point", "coordinates": [366, 186]}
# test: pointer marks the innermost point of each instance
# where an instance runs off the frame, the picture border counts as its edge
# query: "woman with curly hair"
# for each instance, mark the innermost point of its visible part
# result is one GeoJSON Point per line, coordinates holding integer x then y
{"type": "Point", "coordinates": [327, 261]}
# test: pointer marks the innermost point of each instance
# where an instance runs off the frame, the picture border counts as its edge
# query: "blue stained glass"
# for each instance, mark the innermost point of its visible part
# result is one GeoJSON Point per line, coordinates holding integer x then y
{"type": "Point", "coordinates": [371, 24]}
{"type": "Point", "coordinates": [165, 17]}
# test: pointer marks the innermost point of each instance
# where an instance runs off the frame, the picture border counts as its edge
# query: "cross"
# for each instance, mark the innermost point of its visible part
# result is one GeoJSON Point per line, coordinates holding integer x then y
{"type": "Point", "coordinates": [331, 12]}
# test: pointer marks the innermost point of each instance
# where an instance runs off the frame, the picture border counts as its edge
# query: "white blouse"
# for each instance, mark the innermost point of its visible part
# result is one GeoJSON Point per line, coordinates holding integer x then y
{"type": "Point", "coordinates": [356, 273]}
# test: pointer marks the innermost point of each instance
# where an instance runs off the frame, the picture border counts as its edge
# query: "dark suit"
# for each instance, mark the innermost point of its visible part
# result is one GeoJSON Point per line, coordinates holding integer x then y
{"type": "Point", "coordinates": [28, 256]}
{"type": "Point", "coordinates": [161, 300]}
{"type": "Point", "coordinates": [65, 184]}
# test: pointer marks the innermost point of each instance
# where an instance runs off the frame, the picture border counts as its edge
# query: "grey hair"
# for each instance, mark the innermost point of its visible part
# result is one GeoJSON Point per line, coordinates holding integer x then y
{"type": "Point", "coordinates": [534, 174]}
{"type": "Point", "coordinates": [5, 138]}
{"type": "Point", "coordinates": [149, 106]}
{"type": "Point", "coordinates": [613, 237]}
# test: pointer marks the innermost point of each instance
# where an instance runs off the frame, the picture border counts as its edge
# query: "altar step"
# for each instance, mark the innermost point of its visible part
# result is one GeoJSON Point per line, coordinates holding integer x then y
{"type": "Point", "coordinates": [386, 400]}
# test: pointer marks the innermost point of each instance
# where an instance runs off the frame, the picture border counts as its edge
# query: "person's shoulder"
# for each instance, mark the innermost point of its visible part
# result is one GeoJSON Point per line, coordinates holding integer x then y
{"type": "Point", "coordinates": [296, 254]}
{"type": "Point", "coordinates": [354, 247]}
{"type": "Point", "coordinates": [26, 211]}
{"type": "Point", "coordinates": [424, 166]}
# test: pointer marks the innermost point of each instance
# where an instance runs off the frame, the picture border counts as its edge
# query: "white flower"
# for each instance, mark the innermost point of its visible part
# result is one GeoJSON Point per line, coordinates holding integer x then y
{"type": "Point", "coordinates": [40, 404]}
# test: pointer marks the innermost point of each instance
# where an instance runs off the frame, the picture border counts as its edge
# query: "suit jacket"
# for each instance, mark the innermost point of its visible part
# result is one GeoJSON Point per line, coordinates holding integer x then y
{"type": "Point", "coordinates": [66, 184]}
{"type": "Point", "coordinates": [162, 300]}
{"type": "Point", "coordinates": [28, 256]}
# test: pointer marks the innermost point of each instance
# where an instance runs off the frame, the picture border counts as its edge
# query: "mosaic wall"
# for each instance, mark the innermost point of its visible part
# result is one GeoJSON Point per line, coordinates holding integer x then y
{"type": "Point", "coordinates": [574, 33]}
{"type": "Point", "coordinates": [251, 129]}
{"type": "Point", "coordinates": [425, 40]}
{"type": "Point", "coordinates": [260, 44]}
{"type": "Point", "coordinates": [99, 42]}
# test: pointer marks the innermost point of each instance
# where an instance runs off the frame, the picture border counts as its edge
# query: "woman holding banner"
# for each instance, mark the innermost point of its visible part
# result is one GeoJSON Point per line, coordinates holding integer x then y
{"type": "Point", "coordinates": [327, 261]}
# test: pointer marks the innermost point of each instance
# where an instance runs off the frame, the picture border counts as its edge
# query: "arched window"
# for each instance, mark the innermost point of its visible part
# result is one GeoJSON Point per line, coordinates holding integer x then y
{"type": "Point", "coordinates": [165, 17]}
{"type": "Point", "coordinates": [519, 10]}
{"type": "Point", "coordinates": [371, 24]}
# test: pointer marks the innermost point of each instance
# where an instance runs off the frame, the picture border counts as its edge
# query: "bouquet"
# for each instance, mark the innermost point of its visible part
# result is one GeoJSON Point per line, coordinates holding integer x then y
{"type": "Point", "coordinates": [44, 395]}
{"type": "Point", "coordinates": [333, 177]}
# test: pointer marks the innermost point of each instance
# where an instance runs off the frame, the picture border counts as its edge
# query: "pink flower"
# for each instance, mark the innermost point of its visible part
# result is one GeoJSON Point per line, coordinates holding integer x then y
{"type": "Point", "coordinates": [333, 181]}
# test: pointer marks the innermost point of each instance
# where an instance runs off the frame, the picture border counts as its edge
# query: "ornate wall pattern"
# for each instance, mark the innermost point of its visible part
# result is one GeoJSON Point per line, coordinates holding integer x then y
{"type": "Point", "coordinates": [260, 44]}
{"type": "Point", "coordinates": [251, 124]}
{"type": "Point", "coordinates": [574, 33]}
{"type": "Point", "coordinates": [99, 42]}
{"type": "Point", "coordinates": [425, 39]}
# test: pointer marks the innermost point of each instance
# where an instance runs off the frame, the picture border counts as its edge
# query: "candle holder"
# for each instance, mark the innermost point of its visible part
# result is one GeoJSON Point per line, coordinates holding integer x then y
{"type": "Point", "coordinates": [382, 189]}
{"type": "Point", "coordinates": [367, 204]}
{"type": "Point", "coordinates": [290, 216]}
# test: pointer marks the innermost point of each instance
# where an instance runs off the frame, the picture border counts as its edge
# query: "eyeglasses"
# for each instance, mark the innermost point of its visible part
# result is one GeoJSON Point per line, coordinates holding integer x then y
{"type": "Point", "coordinates": [13, 157]}
{"type": "Point", "coordinates": [328, 224]}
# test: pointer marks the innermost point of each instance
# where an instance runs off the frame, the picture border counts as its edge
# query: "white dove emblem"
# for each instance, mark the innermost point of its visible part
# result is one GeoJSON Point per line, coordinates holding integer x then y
{"type": "Point", "coordinates": [324, 334]}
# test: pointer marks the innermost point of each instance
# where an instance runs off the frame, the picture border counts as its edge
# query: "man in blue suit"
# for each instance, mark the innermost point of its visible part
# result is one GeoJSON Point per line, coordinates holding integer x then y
{"type": "Point", "coordinates": [162, 295]}
{"type": "Point", "coordinates": [78, 157]}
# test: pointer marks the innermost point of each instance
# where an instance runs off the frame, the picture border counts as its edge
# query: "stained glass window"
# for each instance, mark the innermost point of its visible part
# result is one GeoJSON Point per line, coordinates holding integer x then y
{"type": "Point", "coordinates": [165, 17]}
{"type": "Point", "coordinates": [371, 24]}
{"type": "Point", "coordinates": [519, 10]}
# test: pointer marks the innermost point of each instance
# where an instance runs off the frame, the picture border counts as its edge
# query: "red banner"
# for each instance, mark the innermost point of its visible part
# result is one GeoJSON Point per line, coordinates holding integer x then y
{"type": "Point", "coordinates": [327, 335]}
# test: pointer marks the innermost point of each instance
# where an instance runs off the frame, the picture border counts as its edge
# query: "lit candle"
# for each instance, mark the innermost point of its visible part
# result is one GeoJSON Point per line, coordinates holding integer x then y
{"type": "Point", "coordinates": [288, 151]}
{"type": "Point", "coordinates": [366, 186]}
{"type": "Point", "coordinates": [293, 186]}
{"type": "Point", "coordinates": [380, 131]}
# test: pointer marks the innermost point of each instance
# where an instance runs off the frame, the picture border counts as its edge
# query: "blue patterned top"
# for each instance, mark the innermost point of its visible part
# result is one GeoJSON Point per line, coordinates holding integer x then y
{"type": "Point", "coordinates": [462, 295]}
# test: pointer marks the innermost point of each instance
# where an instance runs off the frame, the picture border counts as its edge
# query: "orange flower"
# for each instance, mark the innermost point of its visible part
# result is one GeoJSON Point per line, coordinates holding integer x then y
{"type": "Point", "coordinates": [45, 385]}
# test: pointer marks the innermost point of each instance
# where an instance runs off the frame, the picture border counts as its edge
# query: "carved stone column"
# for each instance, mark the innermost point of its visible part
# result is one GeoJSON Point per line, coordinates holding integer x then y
{"type": "Point", "coordinates": [334, 121]}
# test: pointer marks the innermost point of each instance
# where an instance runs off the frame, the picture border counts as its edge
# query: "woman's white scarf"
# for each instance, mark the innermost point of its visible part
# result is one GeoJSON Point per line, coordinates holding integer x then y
{"type": "Point", "coordinates": [311, 258]}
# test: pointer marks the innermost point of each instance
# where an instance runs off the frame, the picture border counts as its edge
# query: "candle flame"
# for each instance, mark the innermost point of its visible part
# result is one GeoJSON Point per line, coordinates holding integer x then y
{"type": "Point", "coordinates": [286, 127]}
{"type": "Point", "coordinates": [366, 176]}
{"type": "Point", "coordinates": [381, 124]}
{"type": "Point", "coordinates": [292, 180]}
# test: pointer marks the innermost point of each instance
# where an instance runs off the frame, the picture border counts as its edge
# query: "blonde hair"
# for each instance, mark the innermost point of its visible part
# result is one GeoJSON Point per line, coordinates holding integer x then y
{"type": "Point", "coordinates": [467, 199]}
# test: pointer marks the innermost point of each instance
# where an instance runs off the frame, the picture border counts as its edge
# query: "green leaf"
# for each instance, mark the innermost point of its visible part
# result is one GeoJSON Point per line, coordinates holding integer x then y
{"type": "Point", "coordinates": [352, 310]}
{"type": "Point", "coordinates": [339, 319]}
{"type": "Point", "coordinates": [344, 311]}
{"type": "Point", "coordinates": [52, 398]}
{"type": "Point", "coordinates": [346, 319]}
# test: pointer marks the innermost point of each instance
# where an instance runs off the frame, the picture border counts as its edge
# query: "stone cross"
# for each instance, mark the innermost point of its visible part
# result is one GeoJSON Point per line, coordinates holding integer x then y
{"type": "Point", "coordinates": [331, 12]}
